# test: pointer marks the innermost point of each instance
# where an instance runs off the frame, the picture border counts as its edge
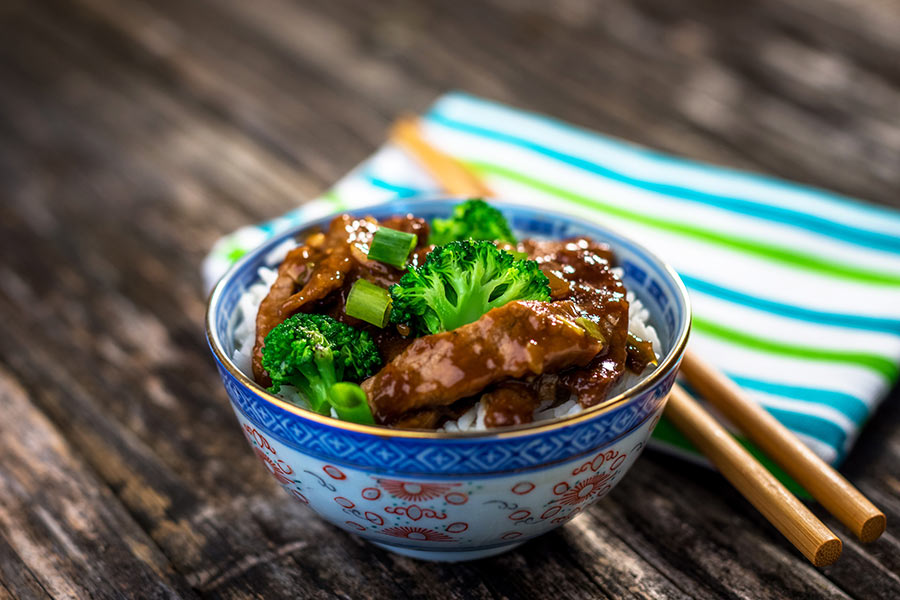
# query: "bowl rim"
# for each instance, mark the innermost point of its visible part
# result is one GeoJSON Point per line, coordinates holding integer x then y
{"type": "Point", "coordinates": [671, 359]}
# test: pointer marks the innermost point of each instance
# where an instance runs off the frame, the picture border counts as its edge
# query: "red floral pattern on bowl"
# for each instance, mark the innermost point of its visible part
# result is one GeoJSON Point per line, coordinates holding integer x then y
{"type": "Point", "coordinates": [412, 514]}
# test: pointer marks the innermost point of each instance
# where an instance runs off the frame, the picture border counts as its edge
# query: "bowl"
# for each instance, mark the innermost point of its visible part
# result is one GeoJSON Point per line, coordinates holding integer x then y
{"type": "Point", "coordinates": [457, 496]}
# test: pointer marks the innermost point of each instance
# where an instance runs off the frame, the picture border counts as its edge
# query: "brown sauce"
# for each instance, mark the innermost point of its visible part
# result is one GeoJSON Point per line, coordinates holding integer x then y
{"type": "Point", "coordinates": [509, 403]}
{"type": "Point", "coordinates": [513, 358]}
{"type": "Point", "coordinates": [317, 276]}
{"type": "Point", "coordinates": [518, 339]}
{"type": "Point", "coordinates": [640, 354]}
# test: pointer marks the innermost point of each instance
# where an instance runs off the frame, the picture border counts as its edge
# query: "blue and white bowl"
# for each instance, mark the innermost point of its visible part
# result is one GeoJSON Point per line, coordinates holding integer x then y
{"type": "Point", "coordinates": [457, 496]}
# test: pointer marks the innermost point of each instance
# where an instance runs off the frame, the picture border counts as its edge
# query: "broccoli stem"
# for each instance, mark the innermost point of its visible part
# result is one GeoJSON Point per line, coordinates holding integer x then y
{"type": "Point", "coordinates": [474, 300]}
{"type": "Point", "coordinates": [318, 378]}
{"type": "Point", "coordinates": [470, 310]}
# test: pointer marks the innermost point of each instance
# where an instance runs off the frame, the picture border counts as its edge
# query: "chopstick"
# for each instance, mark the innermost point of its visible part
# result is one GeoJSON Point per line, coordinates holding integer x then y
{"type": "Point", "coordinates": [453, 176]}
{"type": "Point", "coordinates": [826, 485]}
{"type": "Point", "coordinates": [779, 506]}
{"type": "Point", "coordinates": [755, 483]}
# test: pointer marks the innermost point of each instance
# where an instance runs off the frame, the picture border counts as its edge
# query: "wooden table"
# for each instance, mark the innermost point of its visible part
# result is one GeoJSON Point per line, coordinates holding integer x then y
{"type": "Point", "coordinates": [133, 134]}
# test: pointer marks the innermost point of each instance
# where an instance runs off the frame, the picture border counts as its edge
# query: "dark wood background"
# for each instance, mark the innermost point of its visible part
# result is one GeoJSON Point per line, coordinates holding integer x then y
{"type": "Point", "coordinates": [134, 133]}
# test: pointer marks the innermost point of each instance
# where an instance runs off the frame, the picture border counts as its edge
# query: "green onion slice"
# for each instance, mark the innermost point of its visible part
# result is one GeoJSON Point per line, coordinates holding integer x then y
{"type": "Point", "coordinates": [350, 403]}
{"type": "Point", "coordinates": [592, 329]}
{"type": "Point", "coordinates": [391, 246]}
{"type": "Point", "coordinates": [369, 303]}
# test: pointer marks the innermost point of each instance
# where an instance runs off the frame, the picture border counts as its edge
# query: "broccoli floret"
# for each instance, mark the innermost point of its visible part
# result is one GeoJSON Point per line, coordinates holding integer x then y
{"type": "Point", "coordinates": [315, 352]}
{"type": "Point", "coordinates": [474, 219]}
{"type": "Point", "coordinates": [461, 281]}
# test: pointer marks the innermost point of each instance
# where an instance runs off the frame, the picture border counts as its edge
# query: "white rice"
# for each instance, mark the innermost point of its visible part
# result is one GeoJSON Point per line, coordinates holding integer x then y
{"type": "Point", "coordinates": [472, 419]}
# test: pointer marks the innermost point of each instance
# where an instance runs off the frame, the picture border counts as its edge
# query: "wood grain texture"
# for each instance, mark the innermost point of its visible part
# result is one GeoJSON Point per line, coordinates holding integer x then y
{"type": "Point", "coordinates": [56, 518]}
{"type": "Point", "coordinates": [134, 133]}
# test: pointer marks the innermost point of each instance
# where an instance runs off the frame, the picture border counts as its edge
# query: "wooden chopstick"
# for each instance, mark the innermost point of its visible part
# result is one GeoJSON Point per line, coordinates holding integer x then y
{"type": "Point", "coordinates": [766, 493]}
{"type": "Point", "coordinates": [453, 176]}
{"type": "Point", "coordinates": [782, 509]}
{"type": "Point", "coordinates": [826, 485]}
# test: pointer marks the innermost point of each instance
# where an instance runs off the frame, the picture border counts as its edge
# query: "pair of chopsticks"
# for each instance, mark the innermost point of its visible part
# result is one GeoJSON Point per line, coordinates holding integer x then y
{"type": "Point", "coordinates": [790, 516]}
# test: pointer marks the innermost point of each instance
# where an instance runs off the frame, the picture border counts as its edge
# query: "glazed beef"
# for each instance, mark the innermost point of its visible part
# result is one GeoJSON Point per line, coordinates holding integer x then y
{"type": "Point", "coordinates": [579, 269]}
{"type": "Point", "coordinates": [566, 252]}
{"type": "Point", "coordinates": [513, 358]}
{"type": "Point", "coordinates": [518, 339]}
{"type": "Point", "coordinates": [640, 354]}
{"type": "Point", "coordinates": [317, 276]}
{"type": "Point", "coordinates": [509, 403]}
{"type": "Point", "coordinates": [293, 272]}
{"type": "Point", "coordinates": [427, 418]}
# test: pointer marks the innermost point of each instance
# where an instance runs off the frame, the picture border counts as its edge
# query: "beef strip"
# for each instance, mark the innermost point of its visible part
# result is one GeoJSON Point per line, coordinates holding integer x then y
{"type": "Point", "coordinates": [640, 354]}
{"type": "Point", "coordinates": [317, 277]}
{"type": "Point", "coordinates": [344, 235]}
{"type": "Point", "coordinates": [432, 418]}
{"type": "Point", "coordinates": [294, 270]}
{"type": "Point", "coordinates": [573, 261]}
{"type": "Point", "coordinates": [390, 343]}
{"type": "Point", "coordinates": [579, 270]}
{"type": "Point", "coordinates": [315, 271]}
{"type": "Point", "coordinates": [580, 254]}
{"type": "Point", "coordinates": [592, 383]}
{"type": "Point", "coordinates": [517, 339]}
{"type": "Point", "coordinates": [509, 403]}
{"type": "Point", "coordinates": [327, 276]}
{"type": "Point", "coordinates": [576, 260]}
{"type": "Point", "coordinates": [427, 418]}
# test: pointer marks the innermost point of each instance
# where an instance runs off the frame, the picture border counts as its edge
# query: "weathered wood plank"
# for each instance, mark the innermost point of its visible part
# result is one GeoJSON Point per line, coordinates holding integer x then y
{"type": "Point", "coordinates": [670, 83]}
{"type": "Point", "coordinates": [57, 519]}
{"type": "Point", "coordinates": [16, 579]}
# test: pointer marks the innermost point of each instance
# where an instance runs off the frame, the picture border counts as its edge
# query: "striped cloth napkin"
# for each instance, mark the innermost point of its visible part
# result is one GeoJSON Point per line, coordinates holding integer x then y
{"type": "Point", "coordinates": [796, 291]}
